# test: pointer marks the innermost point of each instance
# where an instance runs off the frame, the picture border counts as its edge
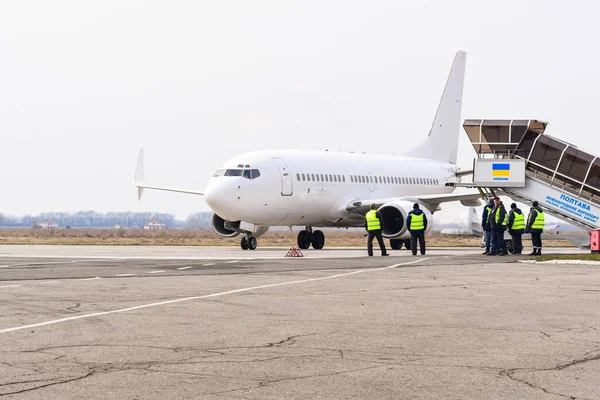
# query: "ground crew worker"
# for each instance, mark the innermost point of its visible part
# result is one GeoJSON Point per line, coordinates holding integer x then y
{"type": "Point", "coordinates": [485, 225]}
{"type": "Point", "coordinates": [417, 224]}
{"type": "Point", "coordinates": [516, 227]}
{"type": "Point", "coordinates": [535, 226]}
{"type": "Point", "coordinates": [498, 221]}
{"type": "Point", "coordinates": [374, 227]}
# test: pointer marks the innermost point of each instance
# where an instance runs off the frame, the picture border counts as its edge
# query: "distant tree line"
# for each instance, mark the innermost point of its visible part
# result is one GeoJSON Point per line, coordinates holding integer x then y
{"type": "Point", "coordinates": [91, 219]}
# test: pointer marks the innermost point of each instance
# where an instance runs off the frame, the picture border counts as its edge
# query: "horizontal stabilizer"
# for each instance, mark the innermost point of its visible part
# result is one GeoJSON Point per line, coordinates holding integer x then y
{"type": "Point", "coordinates": [141, 185]}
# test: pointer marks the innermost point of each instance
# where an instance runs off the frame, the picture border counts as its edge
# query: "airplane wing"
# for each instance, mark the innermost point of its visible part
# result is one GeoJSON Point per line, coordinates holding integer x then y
{"type": "Point", "coordinates": [362, 206]}
{"type": "Point", "coordinates": [138, 180]}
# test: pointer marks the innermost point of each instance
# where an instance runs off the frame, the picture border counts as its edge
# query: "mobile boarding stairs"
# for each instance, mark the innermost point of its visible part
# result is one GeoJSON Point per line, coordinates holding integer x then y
{"type": "Point", "coordinates": [516, 158]}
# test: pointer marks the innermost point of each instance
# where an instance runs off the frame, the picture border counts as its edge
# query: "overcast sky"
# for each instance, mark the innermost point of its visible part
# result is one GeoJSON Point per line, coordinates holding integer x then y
{"type": "Point", "coordinates": [84, 84]}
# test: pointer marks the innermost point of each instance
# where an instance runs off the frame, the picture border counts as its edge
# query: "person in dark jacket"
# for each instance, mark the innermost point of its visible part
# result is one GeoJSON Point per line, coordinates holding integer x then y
{"type": "Point", "coordinates": [516, 227]}
{"type": "Point", "coordinates": [374, 227]}
{"type": "Point", "coordinates": [498, 221]}
{"type": "Point", "coordinates": [485, 225]}
{"type": "Point", "coordinates": [417, 224]}
{"type": "Point", "coordinates": [535, 226]}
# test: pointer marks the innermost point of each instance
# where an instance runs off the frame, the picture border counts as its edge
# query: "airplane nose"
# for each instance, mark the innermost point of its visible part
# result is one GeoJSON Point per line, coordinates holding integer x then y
{"type": "Point", "coordinates": [218, 198]}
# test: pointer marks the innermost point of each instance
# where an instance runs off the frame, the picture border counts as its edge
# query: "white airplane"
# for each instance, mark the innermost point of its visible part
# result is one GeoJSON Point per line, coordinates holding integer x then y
{"type": "Point", "coordinates": [254, 191]}
{"type": "Point", "coordinates": [472, 226]}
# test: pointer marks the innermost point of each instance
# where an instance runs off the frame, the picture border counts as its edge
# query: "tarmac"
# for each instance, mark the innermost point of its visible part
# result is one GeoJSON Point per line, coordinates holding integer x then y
{"type": "Point", "coordinates": [221, 323]}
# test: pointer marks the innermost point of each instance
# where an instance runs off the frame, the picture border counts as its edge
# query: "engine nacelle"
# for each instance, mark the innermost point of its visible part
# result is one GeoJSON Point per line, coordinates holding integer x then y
{"type": "Point", "coordinates": [394, 216]}
{"type": "Point", "coordinates": [224, 228]}
{"type": "Point", "coordinates": [234, 228]}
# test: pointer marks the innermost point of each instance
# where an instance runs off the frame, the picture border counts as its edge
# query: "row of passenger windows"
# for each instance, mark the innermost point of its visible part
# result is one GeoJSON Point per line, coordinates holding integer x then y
{"type": "Point", "coordinates": [367, 179]}
{"type": "Point", "coordinates": [321, 177]}
{"type": "Point", "coordinates": [394, 180]}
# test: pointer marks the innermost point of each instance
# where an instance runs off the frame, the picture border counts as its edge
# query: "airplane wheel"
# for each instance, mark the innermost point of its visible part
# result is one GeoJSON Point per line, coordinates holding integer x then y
{"type": "Point", "coordinates": [318, 240]}
{"type": "Point", "coordinates": [396, 244]}
{"type": "Point", "coordinates": [407, 244]}
{"type": "Point", "coordinates": [244, 243]}
{"type": "Point", "coordinates": [509, 246]}
{"type": "Point", "coordinates": [304, 239]}
{"type": "Point", "coordinates": [252, 243]}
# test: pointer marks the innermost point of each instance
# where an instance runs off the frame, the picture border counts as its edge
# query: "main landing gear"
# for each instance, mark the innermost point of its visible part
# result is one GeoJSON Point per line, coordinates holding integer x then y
{"type": "Point", "coordinates": [396, 244]}
{"type": "Point", "coordinates": [248, 243]}
{"type": "Point", "coordinates": [308, 236]}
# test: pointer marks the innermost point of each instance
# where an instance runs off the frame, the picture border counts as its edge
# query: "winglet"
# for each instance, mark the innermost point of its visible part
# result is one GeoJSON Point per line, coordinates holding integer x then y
{"type": "Point", "coordinates": [139, 173]}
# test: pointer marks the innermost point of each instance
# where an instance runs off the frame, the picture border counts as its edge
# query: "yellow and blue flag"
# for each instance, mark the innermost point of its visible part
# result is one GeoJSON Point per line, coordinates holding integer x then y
{"type": "Point", "coordinates": [501, 169]}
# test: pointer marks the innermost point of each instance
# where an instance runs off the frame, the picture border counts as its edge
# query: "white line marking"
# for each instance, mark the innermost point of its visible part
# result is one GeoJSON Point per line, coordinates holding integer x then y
{"type": "Point", "coordinates": [180, 268]}
{"type": "Point", "coordinates": [126, 274]}
{"type": "Point", "coordinates": [208, 265]}
{"type": "Point", "coordinates": [9, 286]}
{"type": "Point", "coordinates": [230, 262]}
{"type": "Point", "coordinates": [156, 272]}
{"type": "Point", "coordinates": [90, 279]}
{"type": "Point", "coordinates": [4, 266]}
{"type": "Point", "coordinates": [50, 282]}
{"type": "Point", "coordinates": [248, 289]}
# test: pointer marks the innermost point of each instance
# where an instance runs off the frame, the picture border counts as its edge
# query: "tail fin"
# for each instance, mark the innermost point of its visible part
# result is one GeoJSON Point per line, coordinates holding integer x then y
{"type": "Point", "coordinates": [442, 142]}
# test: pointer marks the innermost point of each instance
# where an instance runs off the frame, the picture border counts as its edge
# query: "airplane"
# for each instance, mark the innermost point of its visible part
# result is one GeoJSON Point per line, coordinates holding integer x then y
{"type": "Point", "coordinates": [472, 227]}
{"type": "Point", "coordinates": [254, 191]}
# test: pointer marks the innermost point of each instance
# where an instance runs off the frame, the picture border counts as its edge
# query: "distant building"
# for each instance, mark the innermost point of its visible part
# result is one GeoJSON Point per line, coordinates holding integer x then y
{"type": "Point", "coordinates": [155, 226]}
{"type": "Point", "coordinates": [118, 226]}
{"type": "Point", "coordinates": [44, 225]}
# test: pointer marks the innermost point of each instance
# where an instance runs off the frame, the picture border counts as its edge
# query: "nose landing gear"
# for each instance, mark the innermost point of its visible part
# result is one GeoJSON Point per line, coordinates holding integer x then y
{"type": "Point", "coordinates": [248, 243]}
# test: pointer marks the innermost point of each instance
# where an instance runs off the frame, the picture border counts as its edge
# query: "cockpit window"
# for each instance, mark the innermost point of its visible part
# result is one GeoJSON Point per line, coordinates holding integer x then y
{"type": "Point", "coordinates": [246, 173]}
{"type": "Point", "coordinates": [219, 172]}
{"type": "Point", "coordinates": [233, 172]}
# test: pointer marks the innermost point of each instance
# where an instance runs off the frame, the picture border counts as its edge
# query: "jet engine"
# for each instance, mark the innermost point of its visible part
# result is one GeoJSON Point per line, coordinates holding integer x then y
{"type": "Point", "coordinates": [224, 228]}
{"type": "Point", "coordinates": [394, 216]}
{"type": "Point", "coordinates": [233, 228]}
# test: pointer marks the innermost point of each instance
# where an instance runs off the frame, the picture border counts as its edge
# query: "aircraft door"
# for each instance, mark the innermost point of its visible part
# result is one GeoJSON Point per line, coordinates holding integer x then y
{"type": "Point", "coordinates": [371, 182]}
{"type": "Point", "coordinates": [286, 176]}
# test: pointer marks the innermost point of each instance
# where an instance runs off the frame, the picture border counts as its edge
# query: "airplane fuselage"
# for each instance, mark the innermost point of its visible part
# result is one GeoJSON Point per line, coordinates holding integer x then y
{"type": "Point", "coordinates": [312, 188]}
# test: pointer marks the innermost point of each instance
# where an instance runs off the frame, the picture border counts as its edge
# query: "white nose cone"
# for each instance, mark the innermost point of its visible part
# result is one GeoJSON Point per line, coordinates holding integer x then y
{"type": "Point", "coordinates": [218, 196]}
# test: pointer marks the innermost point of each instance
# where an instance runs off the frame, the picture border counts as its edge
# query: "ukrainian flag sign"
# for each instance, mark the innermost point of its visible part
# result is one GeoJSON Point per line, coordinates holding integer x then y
{"type": "Point", "coordinates": [500, 171]}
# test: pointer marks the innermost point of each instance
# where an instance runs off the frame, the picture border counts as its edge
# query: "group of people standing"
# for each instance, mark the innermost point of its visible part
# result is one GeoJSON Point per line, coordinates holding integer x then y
{"type": "Point", "coordinates": [416, 221]}
{"type": "Point", "coordinates": [495, 221]}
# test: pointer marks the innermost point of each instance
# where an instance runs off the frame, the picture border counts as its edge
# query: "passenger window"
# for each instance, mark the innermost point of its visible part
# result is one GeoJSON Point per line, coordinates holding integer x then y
{"type": "Point", "coordinates": [297, 176]}
{"type": "Point", "coordinates": [303, 177]}
{"type": "Point", "coordinates": [322, 180]}
{"type": "Point", "coordinates": [308, 177]}
{"type": "Point", "coordinates": [330, 178]}
{"type": "Point", "coordinates": [313, 177]}
{"type": "Point", "coordinates": [343, 178]}
{"type": "Point", "coordinates": [335, 178]}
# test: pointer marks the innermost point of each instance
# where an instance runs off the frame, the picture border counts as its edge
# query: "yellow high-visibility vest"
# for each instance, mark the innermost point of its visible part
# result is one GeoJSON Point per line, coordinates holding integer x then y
{"type": "Point", "coordinates": [417, 222]}
{"type": "Point", "coordinates": [373, 223]}
{"type": "Point", "coordinates": [538, 223]}
{"type": "Point", "coordinates": [498, 217]}
{"type": "Point", "coordinates": [489, 210]}
{"type": "Point", "coordinates": [519, 222]}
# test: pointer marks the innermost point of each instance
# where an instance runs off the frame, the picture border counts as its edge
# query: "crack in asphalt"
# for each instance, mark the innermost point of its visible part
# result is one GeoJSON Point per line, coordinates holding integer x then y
{"type": "Point", "coordinates": [509, 373]}
{"type": "Point", "coordinates": [49, 384]}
